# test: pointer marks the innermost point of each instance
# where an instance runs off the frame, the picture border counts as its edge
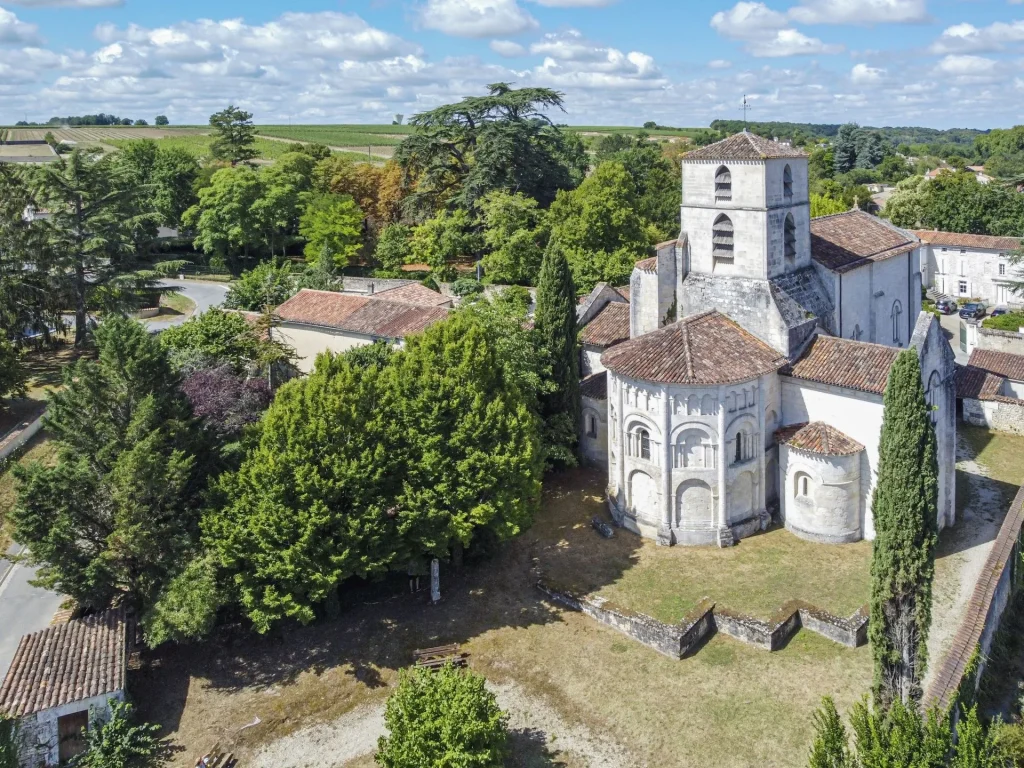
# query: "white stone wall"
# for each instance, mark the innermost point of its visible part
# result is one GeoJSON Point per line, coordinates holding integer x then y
{"type": "Point", "coordinates": [590, 360]}
{"type": "Point", "coordinates": [643, 304]}
{"type": "Point", "coordinates": [997, 416]}
{"type": "Point", "coordinates": [979, 271]}
{"type": "Point", "coordinates": [594, 447]}
{"type": "Point", "coordinates": [38, 734]}
{"type": "Point", "coordinates": [999, 341]}
{"type": "Point", "coordinates": [864, 299]}
{"type": "Point", "coordinates": [830, 510]}
{"type": "Point", "coordinates": [309, 342]}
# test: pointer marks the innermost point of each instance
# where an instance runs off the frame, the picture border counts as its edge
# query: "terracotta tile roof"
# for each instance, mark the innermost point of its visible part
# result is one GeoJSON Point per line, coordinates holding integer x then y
{"type": "Point", "coordinates": [744, 146]}
{"type": "Point", "coordinates": [844, 363]}
{"type": "Point", "coordinates": [67, 663]}
{"type": "Point", "coordinates": [848, 240]}
{"type": "Point", "coordinates": [609, 326]}
{"type": "Point", "coordinates": [818, 437]}
{"type": "Point", "coordinates": [708, 348]}
{"type": "Point", "coordinates": [358, 314]}
{"type": "Point", "coordinates": [977, 384]}
{"type": "Point", "coordinates": [623, 292]}
{"type": "Point", "coordinates": [416, 294]}
{"type": "Point", "coordinates": [1003, 364]}
{"type": "Point", "coordinates": [595, 386]}
{"type": "Point", "coordinates": [647, 265]}
{"type": "Point", "coordinates": [960, 240]}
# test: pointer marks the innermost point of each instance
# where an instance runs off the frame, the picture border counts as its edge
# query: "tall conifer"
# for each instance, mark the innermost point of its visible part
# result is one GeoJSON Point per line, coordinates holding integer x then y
{"type": "Point", "coordinates": [905, 510]}
{"type": "Point", "coordinates": [555, 326]}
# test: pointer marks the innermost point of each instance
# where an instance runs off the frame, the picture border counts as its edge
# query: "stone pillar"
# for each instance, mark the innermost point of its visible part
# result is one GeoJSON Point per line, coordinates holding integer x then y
{"type": "Point", "coordinates": [723, 460]}
{"type": "Point", "coordinates": [665, 531]}
{"type": "Point", "coordinates": [620, 421]}
{"type": "Point", "coordinates": [761, 441]}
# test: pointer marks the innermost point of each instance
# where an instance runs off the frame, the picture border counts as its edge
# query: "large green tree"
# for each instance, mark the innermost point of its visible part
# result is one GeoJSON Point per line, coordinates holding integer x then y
{"type": "Point", "coordinates": [503, 140]}
{"type": "Point", "coordinates": [844, 148]}
{"type": "Point", "coordinates": [556, 332]}
{"type": "Point", "coordinates": [443, 718]}
{"type": "Point", "coordinates": [658, 183]}
{"type": "Point", "coordinates": [332, 224]}
{"type": "Point", "coordinates": [217, 337]}
{"type": "Point", "coordinates": [599, 229]}
{"type": "Point", "coordinates": [515, 232]}
{"type": "Point", "coordinates": [905, 513]}
{"type": "Point", "coordinates": [449, 237]}
{"type": "Point", "coordinates": [235, 139]}
{"type": "Point", "coordinates": [118, 512]}
{"type": "Point", "coordinates": [226, 220]}
{"type": "Point", "coordinates": [268, 284]}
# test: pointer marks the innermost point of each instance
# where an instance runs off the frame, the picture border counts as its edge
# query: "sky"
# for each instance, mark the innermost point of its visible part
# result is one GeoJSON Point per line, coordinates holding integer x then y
{"type": "Point", "coordinates": [936, 63]}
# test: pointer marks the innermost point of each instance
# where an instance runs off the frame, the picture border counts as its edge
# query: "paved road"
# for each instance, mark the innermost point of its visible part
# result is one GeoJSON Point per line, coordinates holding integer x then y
{"type": "Point", "coordinates": [23, 608]}
{"type": "Point", "coordinates": [205, 295]}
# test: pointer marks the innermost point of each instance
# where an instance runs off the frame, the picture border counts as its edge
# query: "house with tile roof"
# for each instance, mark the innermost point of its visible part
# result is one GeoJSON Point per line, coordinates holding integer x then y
{"type": "Point", "coordinates": [971, 266]}
{"type": "Point", "coordinates": [760, 343]}
{"type": "Point", "coordinates": [312, 322]}
{"type": "Point", "coordinates": [62, 681]}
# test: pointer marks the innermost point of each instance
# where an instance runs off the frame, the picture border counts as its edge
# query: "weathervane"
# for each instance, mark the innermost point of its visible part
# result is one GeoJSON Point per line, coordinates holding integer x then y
{"type": "Point", "coordinates": [746, 107]}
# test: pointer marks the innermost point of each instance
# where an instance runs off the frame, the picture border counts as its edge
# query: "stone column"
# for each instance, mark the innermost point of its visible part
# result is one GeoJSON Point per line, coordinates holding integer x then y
{"type": "Point", "coordinates": [723, 460]}
{"type": "Point", "coordinates": [761, 441]}
{"type": "Point", "coordinates": [665, 532]}
{"type": "Point", "coordinates": [619, 422]}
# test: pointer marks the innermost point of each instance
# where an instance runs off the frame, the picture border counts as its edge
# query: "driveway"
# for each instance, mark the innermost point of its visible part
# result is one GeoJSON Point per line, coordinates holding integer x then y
{"type": "Point", "coordinates": [951, 330]}
{"type": "Point", "coordinates": [205, 295]}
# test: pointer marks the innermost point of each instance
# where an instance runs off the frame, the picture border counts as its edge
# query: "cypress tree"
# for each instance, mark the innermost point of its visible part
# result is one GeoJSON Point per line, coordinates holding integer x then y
{"type": "Point", "coordinates": [555, 328]}
{"type": "Point", "coordinates": [905, 510]}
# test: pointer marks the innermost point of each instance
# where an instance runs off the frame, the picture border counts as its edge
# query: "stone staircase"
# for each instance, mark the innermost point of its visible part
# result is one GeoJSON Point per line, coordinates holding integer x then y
{"type": "Point", "coordinates": [934, 296]}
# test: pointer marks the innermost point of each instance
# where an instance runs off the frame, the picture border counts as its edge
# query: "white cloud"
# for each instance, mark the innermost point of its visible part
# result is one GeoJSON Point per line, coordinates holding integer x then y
{"type": "Point", "coordinates": [967, 68]}
{"type": "Point", "coordinates": [14, 30]}
{"type": "Point", "coordinates": [719, 64]}
{"type": "Point", "coordinates": [570, 58]}
{"type": "Point", "coordinates": [860, 12]}
{"type": "Point", "coordinates": [967, 38]}
{"type": "Point", "coordinates": [862, 73]}
{"type": "Point", "coordinates": [507, 48]}
{"type": "Point", "coordinates": [767, 33]}
{"type": "Point", "coordinates": [476, 18]}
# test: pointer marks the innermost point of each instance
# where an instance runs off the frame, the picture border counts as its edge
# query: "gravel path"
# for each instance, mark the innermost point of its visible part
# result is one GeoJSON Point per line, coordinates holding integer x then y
{"type": "Point", "coordinates": [537, 731]}
{"type": "Point", "coordinates": [962, 554]}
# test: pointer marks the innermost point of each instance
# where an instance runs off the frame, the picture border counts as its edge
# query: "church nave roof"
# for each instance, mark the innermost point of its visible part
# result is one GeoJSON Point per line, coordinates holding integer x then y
{"type": "Point", "coordinates": [845, 241]}
{"type": "Point", "coordinates": [845, 363]}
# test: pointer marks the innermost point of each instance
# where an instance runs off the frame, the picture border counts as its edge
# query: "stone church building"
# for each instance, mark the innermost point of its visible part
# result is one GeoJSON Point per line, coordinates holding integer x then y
{"type": "Point", "coordinates": [743, 370]}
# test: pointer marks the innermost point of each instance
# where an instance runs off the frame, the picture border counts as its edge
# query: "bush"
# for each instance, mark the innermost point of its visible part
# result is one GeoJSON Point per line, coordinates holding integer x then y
{"type": "Point", "coordinates": [118, 743]}
{"type": "Point", "coordinates": [444, 718]}
{"type": "Point", "coordinates": [1011, 321]}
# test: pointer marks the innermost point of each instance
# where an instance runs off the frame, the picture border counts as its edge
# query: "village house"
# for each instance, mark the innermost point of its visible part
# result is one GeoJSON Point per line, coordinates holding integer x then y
{"type": "Point", "coordinates": [62, 681]}
{"type": "Point", "coordinates": [760, 346]}
{"type": "Point", "coordinates": [970, 266]}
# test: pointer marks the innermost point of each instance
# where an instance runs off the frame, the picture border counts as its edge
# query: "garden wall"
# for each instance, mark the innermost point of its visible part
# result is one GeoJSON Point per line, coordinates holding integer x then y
{"type": "Point", "coordinates": [973, 639]}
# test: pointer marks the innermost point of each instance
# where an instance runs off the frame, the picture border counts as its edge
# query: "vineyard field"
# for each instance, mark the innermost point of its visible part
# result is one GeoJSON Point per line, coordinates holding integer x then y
{"type": "Point", "coordinates": [96, 134]}
{"type": "Point", "coordinates": [199, 146]}
{"type": "Point", "coordinates": [360, 136]}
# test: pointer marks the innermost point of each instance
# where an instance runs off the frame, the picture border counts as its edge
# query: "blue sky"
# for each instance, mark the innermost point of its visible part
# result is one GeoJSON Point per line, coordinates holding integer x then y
{"type": "Point", "coordinates": [940, 63]}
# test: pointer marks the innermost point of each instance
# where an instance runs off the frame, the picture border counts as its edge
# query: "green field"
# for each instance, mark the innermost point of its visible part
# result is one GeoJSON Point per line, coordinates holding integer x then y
{"type": "Point", "coordinates": [199, 147]}
{"type": "Point", "coordinates": [341, 135]}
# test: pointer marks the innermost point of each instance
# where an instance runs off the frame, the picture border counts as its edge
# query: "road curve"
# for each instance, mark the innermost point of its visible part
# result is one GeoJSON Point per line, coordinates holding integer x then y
{"type": "Point", "coordinates": [205, 295]}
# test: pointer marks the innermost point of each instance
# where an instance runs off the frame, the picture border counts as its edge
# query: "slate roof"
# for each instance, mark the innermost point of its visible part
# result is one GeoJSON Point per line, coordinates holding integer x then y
{"type": "Point", "coordinates": [367, 315]}
{"type": "Point", "coordinates": [595, 386]}
{"type": "Point", "coordinates": [1003, 364]}
{"type": "Point", "coordinates": [707, 348]}
{"type": "Point", "coordinates": [818, 437]}
{"type": "Point", "coordinates": [745, 146]}
{"type": "Point", "coordinates": [416, 294]}
{"type": "Point", "coordinates": [961, 240]}
{"type": "Point", "coordinates": [67, 663]}
{"type": "Point", "coordinates": [849, 240]}
{"type": "Point", "coordinates": [844, 363]}
{"type": "Point", "coordinates": [610, 326]}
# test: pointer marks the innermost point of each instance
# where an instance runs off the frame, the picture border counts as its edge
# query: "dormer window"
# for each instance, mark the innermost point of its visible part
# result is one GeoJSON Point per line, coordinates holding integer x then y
{"type": "Point", "coordinates": [787, 183]}
{"type": "Point", "coordinates": [790, 237]}
{"type": "Point", "coordinates": [722, 235]}
{"type": "Point", "coordinates": [723, 184]}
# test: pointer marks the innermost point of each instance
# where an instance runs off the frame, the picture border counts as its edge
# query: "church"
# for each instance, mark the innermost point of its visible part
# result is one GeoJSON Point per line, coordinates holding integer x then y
{"type": "Point", "coordinates": [741, 374]}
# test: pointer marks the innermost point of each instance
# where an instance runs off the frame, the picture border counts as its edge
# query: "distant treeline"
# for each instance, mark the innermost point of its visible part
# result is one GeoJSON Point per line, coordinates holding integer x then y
{"type": "Point", "coordinates": [100, 119]}
{"type": "Point", "coordinates": [810, 131]}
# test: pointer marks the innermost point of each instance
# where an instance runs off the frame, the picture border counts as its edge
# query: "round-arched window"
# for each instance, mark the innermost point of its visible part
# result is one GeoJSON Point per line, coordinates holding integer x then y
{"type": "Point", "coordinates": [723, 184]}
{"type": "Point", "coordinates": [787, 182]}
{"type": "Point", "coordinates": [723, 238]}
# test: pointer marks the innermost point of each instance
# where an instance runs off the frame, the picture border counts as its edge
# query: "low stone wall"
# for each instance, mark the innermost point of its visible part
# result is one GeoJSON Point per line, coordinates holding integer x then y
{"type": "Point", "coordinates": [680, 640]}
{"type": "Point", "coordinates": [973, 639]}
{"type": "Point", "coordinates": [371, 285]}
{"type": "Point", "coordinates": [1002, 414]}
{"type": "Point", "coordinates": [21, 434]}
{"type": "Point", "coordinates": [1000, 341]}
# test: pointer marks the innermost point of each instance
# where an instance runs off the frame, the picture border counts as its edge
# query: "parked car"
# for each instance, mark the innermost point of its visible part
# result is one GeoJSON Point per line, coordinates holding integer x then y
{"type": "Point", "coordinates": [946, 306]}
{"type": "Point", "coordinates": [973, 311]}
{"type": "Point", "coordinates": [998, 311]}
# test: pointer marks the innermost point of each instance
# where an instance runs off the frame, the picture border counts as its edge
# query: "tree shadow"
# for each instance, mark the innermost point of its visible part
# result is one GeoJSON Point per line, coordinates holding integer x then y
{"type": "Point", "coordinates": [529, 749]}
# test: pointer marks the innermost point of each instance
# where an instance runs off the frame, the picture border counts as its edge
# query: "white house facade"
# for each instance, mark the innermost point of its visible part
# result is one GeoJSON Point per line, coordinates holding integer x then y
{"type": "Point", "coordinates": [970, 266]}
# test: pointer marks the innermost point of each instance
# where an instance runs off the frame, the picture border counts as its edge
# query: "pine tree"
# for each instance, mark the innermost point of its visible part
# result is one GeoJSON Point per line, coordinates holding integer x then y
{"type": "Point", "coordinates": [905, 510]}
{"type": "Point", "coordinates": [845, 147]}
{"type": "Point", "coordinates": [830, 748]}
{"type": "Point", "coordinates": [555, 328]}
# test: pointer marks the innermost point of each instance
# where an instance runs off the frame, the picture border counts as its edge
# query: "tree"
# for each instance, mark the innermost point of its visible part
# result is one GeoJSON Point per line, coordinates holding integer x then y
{"type": "Point", "coordinates": [217, 337]}
{"type": "Point", "coordinates": [94, 215]}
{"type": "Point", "coordinates": [377, 190]}
{"type": "Point", "coordinates": [555, 329]}
{"type": "Point", "coordinates": [447, 717]}
{"type": "Point", "coordinates": [265, 285]}
{"type": "Point", "coordinates": [161, 120]}
{"type": "Point", "coordinates": [316, 150]}
{"type": "Point", "coordinates": [332, 224]}
{"type": "Point", "coordinates": [831, 744]}
{"type": "Point", "coordinates": [187, 607]}
{"type": "Point", "coordinates": [225, 402]}
{"type": "Point", "coordinates": [598, 228]}
{"type": "Point", "coordinates": [503, 140]}
{"type": "Point", "coordinates": [657, 182]}
{"type": "Point", "coordinates": [175, 173]}
{"type": "Point", "coordinates": [516, 233]}
{"type": "Point", "coordinates": [894, 169]}
{"type": "Point", "coordinates": [444, 240]}
{"type": "Point", "coordinates": [905, 510]}
{"type": "Point", "coordinates": [226, 219]}
{"type": "Point", "coordinates": [907, 205]}
{"type": "Point", "coordinates": [844, 148]}
{"type": "Point", "coordinates": [118, 512]}
{"type": "Point", "coordinates": [824, 205]}
{"type": "Point", "coordinates": [870, 150]}
{"type": "Point", "coordinates": [394, 248]}
{"type": "Point", "coordinates": [12, 374]}
{"type": "Point", "coordinates": [321, 275]}
{"type": "Point", "coordinates": [285, 190]}
{"type": "Point", "coordinates": [119, 743]}
{"type": "Point", "coordinates": [235, 140]}
{"type": "Point", "coordinates": [313, 501]}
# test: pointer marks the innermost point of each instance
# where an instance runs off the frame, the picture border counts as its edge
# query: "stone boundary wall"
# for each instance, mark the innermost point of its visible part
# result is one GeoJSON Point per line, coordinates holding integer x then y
{"type": "Point", "coordinates": [1003, 414]}
{"type": "Point", "coordinates": [989, 599]}
{"type": "Point", "coordinates": [1000, 341]}
{"type": "Point", "coordinates": [680, 640]}
{"type": "Point", "coordinates": [372, 285]}
{"type": "Point", "coordinates": [21, 434]}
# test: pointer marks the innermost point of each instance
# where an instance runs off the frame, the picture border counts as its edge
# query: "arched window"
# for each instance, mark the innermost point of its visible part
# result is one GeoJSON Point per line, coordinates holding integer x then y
{"type": "Point", "coordinates": [723, 184]}
{"type": "Point", "coordinates": [591, 425]}
{"type": "Point", "coordinates": [645, 444]}
{"type": "Point", "coordinates": [790, 237]}
{"type": "Point", "coordinates": [897, 314]}
{"type": "Point", "coordinates": [722, 238]}
{"type": "Point", "coordinates": [739, 447]}
{"type": "Point", "coordinates": [932, 395]}
{"type": "Point", "coordinates": [802, 485]}
{"type": "Point", "coordinates": [787, 182]}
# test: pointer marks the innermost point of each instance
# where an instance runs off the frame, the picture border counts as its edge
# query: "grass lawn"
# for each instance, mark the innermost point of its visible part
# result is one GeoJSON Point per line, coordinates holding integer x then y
{"type": "Point", "coordinates": [755, 577]}
{"type": "Point", "coordinates": [728, 705]}
{"type": "Point", "coordinates": [39, 448]}
{"type": "Point", "coordinates": [44, 370]}
{"type": "Point", "coordinates": [176, 304]}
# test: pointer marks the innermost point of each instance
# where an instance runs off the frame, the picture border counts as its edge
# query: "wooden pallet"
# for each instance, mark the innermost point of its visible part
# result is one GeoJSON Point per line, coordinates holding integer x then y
{"type": "Point", "coordinates": [436, 658]}
{"type": "Point", "coordinates": [217, 759]}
